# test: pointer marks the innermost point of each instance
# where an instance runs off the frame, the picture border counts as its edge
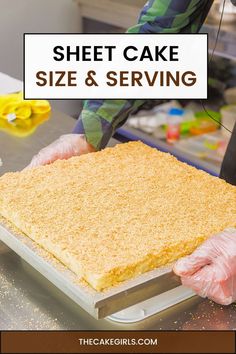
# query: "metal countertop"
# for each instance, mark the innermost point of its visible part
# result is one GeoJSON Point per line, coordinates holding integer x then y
{"type": "Point", "coordinates": [28, 301]}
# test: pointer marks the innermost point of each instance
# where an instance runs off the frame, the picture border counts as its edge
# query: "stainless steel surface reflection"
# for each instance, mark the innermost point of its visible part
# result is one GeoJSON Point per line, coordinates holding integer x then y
{"type": "Point", "coordinates": [29, 301]}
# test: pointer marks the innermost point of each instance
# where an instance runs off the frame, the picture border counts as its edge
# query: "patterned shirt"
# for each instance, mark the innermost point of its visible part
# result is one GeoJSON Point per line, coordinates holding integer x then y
{"type": "Point", "coordinates": [99, 119]}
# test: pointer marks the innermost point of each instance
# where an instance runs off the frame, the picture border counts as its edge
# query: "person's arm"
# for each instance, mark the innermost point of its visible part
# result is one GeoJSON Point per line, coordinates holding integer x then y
{"type": "Point", "coordinates": [99, 119]}
{"type": "Point", "coordinates": [173, 16]}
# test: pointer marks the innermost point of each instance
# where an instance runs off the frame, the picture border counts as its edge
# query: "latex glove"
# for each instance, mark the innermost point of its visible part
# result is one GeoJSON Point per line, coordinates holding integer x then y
{"type": "Point", "coordinates": [63, 148]}
{"type": "Point", "coordinates": [211, 270]}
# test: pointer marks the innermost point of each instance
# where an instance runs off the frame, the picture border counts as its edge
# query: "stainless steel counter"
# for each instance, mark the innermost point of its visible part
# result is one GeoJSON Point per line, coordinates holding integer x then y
{"type": "Point", "coordinates": [28, 301]}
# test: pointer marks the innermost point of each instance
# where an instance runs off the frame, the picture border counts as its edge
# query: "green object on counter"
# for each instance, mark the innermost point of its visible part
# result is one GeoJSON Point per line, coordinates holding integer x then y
{"type": "Point", "coordinates": [203, 114]}
{"type": "Point", "coordinates": [186, 126]}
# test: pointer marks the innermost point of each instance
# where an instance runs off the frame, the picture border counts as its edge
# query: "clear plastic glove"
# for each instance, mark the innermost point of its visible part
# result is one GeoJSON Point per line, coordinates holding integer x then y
{"type": "Point", "coordinates": [211, 270]}
{"type": "Point", "coordinates": [63, 148]}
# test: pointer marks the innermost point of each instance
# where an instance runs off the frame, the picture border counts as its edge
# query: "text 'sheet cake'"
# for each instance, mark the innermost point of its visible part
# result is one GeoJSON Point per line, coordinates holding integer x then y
{"type": "Point", "coordinates": [113, 214]}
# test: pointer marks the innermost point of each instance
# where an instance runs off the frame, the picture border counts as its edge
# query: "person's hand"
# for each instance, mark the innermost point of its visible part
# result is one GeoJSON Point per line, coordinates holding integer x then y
{"type": "Point", "coordinates": [210, 271]}
{"type": "Point", "coordinates": [63, 148]}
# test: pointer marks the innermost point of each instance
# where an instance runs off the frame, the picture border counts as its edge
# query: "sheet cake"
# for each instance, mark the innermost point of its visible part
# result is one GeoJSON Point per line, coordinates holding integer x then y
{"type": "Point", "coordinates": [111, 215]}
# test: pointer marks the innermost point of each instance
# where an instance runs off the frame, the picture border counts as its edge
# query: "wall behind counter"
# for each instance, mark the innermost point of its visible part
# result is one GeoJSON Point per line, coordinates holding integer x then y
{"type": "Point", "coordinates": [19, 16]}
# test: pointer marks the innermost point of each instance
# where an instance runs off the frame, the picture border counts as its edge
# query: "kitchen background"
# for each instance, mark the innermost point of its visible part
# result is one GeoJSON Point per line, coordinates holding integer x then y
{"type": "Point", "coordinates": [190, 133]}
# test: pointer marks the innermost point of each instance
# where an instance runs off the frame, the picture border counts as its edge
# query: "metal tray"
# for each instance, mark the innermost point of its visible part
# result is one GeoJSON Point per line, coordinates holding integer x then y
{"type": "Point", "coordinates": [98, 304]}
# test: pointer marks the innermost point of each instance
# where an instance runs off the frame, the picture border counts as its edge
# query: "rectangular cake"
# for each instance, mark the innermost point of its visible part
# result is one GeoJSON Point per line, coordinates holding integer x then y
{"type": "Point", "coordinates": [114, 214]}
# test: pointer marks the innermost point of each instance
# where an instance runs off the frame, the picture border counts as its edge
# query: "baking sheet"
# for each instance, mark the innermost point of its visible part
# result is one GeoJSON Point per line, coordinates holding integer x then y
{"type": "Point", "coordinates": [98, 304]}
